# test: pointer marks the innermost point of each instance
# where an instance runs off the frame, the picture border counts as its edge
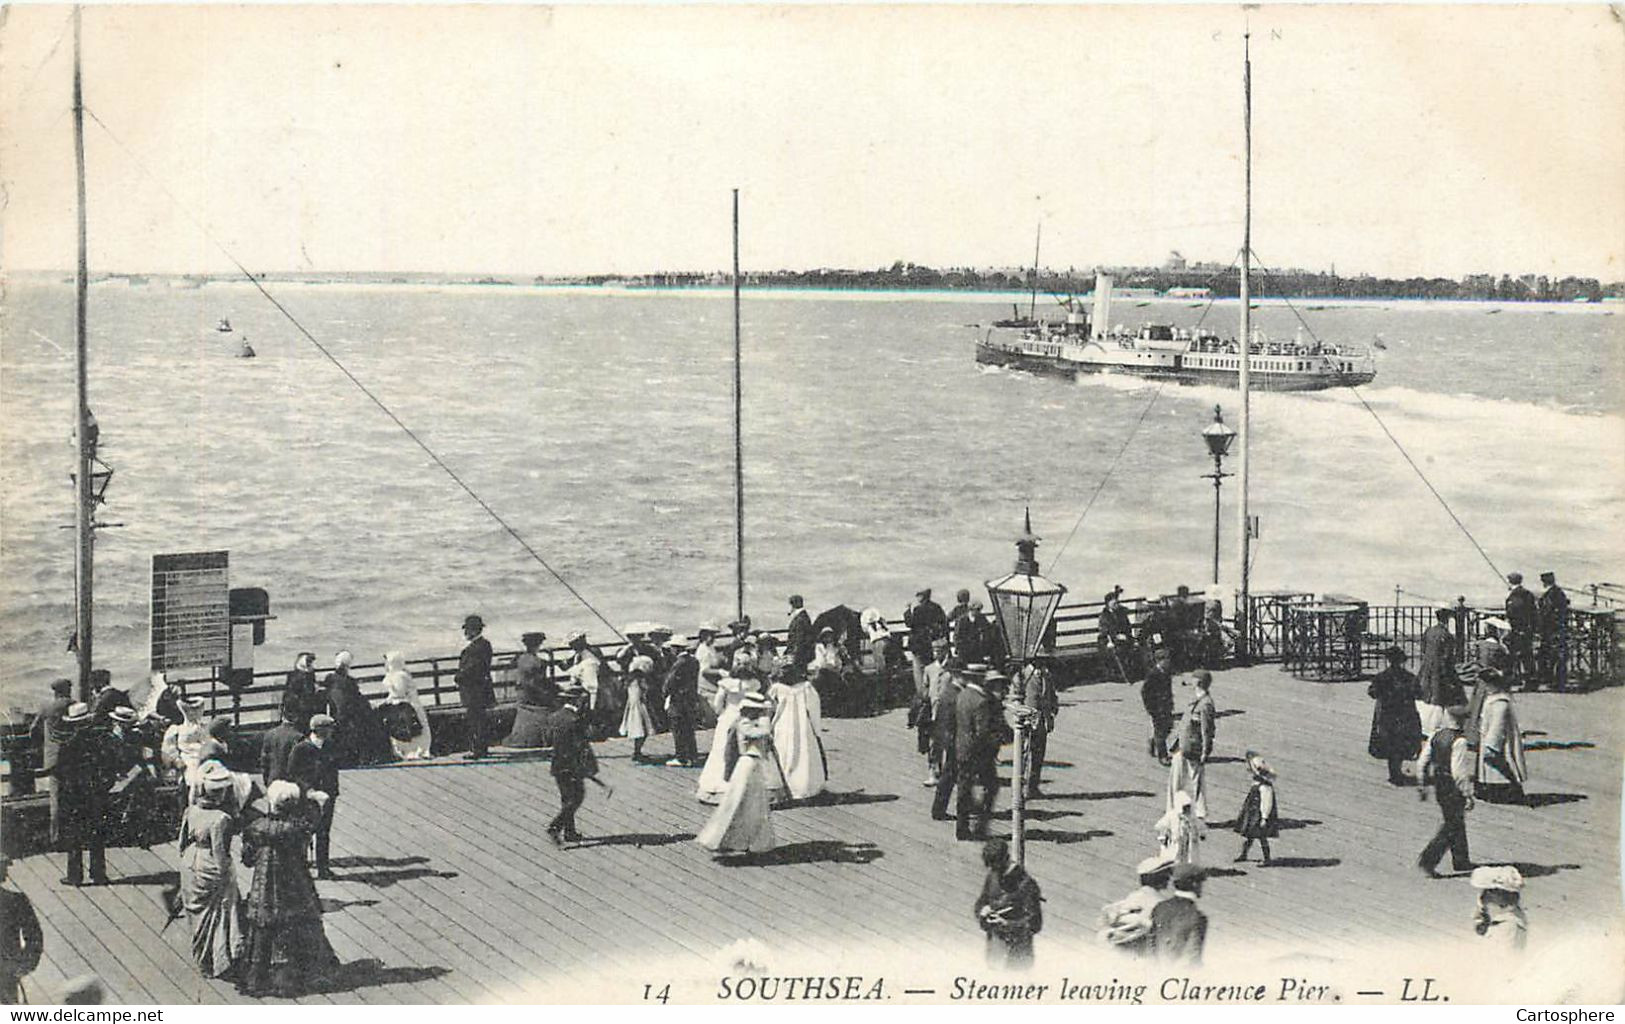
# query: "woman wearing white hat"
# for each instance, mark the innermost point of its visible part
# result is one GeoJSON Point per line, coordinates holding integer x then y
{"type": "Point", "coordinates": [208, 889]}
{"type": "Point", "coordinates": [636, 725]}
{"type": "Point", "coordinates": [1500, 740]}
{"type": "Point", "coordinates": [1500, 918]}
{"type": "Point", "coordinates": [402, 711]}
{"type": "Point", "coordinates": [719, 763]}
{"type": "Point", "coordinates": [742, 822]}
{"type": "Point", "coordinates": [287, 952]}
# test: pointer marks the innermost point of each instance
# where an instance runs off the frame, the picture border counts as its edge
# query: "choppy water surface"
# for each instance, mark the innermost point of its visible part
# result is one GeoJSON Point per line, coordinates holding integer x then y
{"type": "Point", "coordinates": [878, 458]}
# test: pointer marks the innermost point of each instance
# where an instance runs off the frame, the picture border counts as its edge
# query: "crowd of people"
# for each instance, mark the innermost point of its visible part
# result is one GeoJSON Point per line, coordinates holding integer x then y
{"type": "Point", "coordinates": [108, 758]}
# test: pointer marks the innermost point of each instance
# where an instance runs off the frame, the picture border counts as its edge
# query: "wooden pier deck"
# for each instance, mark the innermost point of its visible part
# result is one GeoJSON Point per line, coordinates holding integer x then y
{"type": "Point", "coordinates": [450, 892]}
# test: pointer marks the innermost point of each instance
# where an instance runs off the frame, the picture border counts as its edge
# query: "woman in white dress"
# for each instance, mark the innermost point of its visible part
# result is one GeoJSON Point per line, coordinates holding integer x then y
{"type": "Point", "coordinates": [403, 712]}
{"type": "Point", "coordinates": [1179, 832]}
{"type": "Point", "coordinates": [743, 822]}
{"type": "Point", "coordinates": [731, 691]}
{"type": "Point", "coordinates": [797, 714]}
{"type": "Point", "coordinates": [636, 725]}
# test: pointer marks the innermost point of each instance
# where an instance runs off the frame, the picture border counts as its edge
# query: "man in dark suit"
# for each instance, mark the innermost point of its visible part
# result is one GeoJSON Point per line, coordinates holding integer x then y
{"type": "Point", "coordinates": [1523, 622]}
{"type": "Point", "coordinates": [311, 767]}
{"type": "Point", "coordinates": [279, 741]}
{"type": "Point", "coordinates": [108, 695]}
{"type": "Point", "coordinates": [474, 685]}
{"type": "Point", "coordinates": [1178, 926]}
{"type": "Point", "coordinates": [799, 640]}
{"type": "Point", "coordinates": [1552, 613]}
{"type": "Point", "coordinates": [1037, 691]}
{"type": "Point", "coordinates": [925, 621]}
{"type": "Point", "coordinates": [979, 731]}
{"type": "Point", "coordinates": [573, 763]}
{"type": "Point", "coordinates": [1116, 637]}
{"type": "Point", "coordinates": [683, 702]}
{"type": "Point", "coordinates": [301, 689]}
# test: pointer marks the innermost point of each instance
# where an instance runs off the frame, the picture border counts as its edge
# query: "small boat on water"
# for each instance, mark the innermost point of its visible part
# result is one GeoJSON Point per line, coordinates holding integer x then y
{"type": "Point", "coordinates": [1083, 345]}
{"type": "Point", "coordinates": [245, 350]}
{"type": "Point", "coordinates": [224, 326]}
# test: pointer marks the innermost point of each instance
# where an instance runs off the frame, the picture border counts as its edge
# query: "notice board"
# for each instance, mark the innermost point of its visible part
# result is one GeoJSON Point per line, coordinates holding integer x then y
{"type": "Point", "coordinates": [191, 611]}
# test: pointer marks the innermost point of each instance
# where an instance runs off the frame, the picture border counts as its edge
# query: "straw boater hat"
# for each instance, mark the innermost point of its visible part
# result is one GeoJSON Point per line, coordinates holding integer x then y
{"type": "Point", "coordinates": [124, 716]}
{"type": "Point", "coordinates": [1259, 766]}
{"type": "Point", "coordinates": [575, 635]}
{"type": "Point", "coordinates": [321, 721]}
{"type": "Point", "coordinates": [215, 775]}
{"type": "Point", "coordinates": [76, 712]}
{"type": "Point", "coordinates": [1497, 876]}
{"type": "Point", "coordinates": [708, 626]}
{"type": "Point", "coordinates": [679, 642]}
{"type": "Point", "coordinates": [1155, 865]}
{"type": "Point", "coordinates": [659, 629]}
{"type": "Point", "coordinates": [754, 703]}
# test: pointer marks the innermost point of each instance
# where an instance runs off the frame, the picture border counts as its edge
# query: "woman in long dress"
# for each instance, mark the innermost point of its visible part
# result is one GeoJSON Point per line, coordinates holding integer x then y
{"type": "Point", "coordinates": [403, 712]}
{"type": "Point", "coordinates": [208, 890]}
{"type": "Point", "coordinates": [288, 952]}
{"type": "Point", "coordinates": [742, 822]}
{"type": "Point", "coordinates": [1501, 758]}
{"type": "Point", "coordinates": [1179, 832]}
{"type": "Point", "coordinates": [538, 697]}
{"type": "Point", "coordinates": [797, 713]}
{"type": "Point", "coordinates": [731, 692]}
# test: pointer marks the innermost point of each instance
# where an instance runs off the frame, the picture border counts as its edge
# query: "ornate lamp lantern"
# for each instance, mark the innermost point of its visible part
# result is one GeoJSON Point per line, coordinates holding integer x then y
{"type": "Point", "coordinates": [1218, 436]}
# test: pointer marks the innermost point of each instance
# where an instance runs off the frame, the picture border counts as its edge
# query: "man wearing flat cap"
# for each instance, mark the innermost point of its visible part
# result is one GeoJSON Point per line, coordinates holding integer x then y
{"type": "Point", "coordinates": [474, 686]}
{"type": "Point", "coordinates": [1447, 763]}
{"type": "Point", "coordinates": [1523, 621]}
{"type": "Point", "coordinates": [1552, 612]}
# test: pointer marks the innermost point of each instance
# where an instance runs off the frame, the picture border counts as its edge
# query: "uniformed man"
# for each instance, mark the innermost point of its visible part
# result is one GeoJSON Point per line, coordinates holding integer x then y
{"type": "Point", "coordinates": [1447, 763]}
{"type": "Point", "coordinates": [1009, 909]}
{"type": "Point", "coordinates": [1552, 613]}
{"type": "Point", "coordinates": [1157, 694]}
{"type": "Point", "coordinates": [979, 731]}
{"type": "Point", "coordinates": [1523, 621]}
{"type": "Point", "coordinates": [82, 780]}
{"type": "Point", "coordinates": [474, 688]}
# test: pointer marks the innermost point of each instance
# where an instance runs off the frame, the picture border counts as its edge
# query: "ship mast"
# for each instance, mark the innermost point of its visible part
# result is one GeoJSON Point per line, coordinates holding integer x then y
{"type": "Point", "coordinates": [739, 450]}
{"type": "Point", "coordinates": [1244, 522]}
{"type": "Point", "coordinates": [1032, 303]}
{"type": "Point", "coordinates": [84, 432]}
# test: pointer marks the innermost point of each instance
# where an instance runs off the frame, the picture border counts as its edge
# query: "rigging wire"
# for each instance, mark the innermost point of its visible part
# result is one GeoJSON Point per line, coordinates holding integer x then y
{"type": "Point", "coordinates": [433, 455]}
{"type": "Point", "coordinates": [1109, 470]}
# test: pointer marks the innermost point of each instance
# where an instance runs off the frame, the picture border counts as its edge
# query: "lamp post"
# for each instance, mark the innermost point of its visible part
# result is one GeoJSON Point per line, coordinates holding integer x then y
{"type": "Point", "coordinates": [1218, 436]}
{"type": "Point", "coordinates": [1024, 603]}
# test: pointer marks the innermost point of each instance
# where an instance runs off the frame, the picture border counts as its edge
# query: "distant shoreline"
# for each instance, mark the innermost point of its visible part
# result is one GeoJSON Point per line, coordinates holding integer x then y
{"type": "Point", "coordinates": [777, 291]}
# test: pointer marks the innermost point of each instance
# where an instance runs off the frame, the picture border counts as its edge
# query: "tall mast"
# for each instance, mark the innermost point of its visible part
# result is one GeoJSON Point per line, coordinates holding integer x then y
{"type": "Point", "coordinates": [739, 450]}
{"type": "Point", "coordinates": [1243, 530]}
{"type": "Point", "coordinates": [83, 434]}
{"type": "Point", "coordinates": [1032, 304]}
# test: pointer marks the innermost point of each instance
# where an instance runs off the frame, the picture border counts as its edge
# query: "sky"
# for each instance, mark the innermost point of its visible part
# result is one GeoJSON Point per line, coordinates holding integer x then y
{"type": "Point", "coordinates": [1395, 141]}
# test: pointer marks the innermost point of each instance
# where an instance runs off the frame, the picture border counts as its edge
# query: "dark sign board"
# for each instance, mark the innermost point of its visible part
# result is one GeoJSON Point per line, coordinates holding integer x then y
{"type": "Point", "coordinates": [191, 611]}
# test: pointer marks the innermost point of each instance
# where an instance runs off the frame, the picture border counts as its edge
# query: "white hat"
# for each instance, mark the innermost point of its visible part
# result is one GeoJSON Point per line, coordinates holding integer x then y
{"type": "Point", "coordinates": [642, 663]}
{"type": "Point", "coordinates": [1154, 864]}
{"type": "Point", "coordinates": [574, 635]}
{"type": "Point", "coordinates": [1497, 876]}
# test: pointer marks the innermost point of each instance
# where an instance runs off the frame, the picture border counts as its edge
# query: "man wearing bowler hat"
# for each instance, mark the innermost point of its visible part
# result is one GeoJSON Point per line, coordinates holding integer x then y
{"type": "Point", "coordinates": [1523, 621]}
{"type": "Point", "coordinates": [474, 686]}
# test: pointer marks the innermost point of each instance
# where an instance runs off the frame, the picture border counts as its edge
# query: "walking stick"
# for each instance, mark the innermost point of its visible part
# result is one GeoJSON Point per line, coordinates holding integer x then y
{"type": "Point", "coordinates": [1122, 673]}
{"type": "Point", "coordinates": [609, 791]}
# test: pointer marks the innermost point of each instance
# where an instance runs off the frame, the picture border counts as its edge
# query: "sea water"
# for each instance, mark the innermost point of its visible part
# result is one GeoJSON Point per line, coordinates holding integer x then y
{"type": "Point", "coordinates": [878, 458]}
